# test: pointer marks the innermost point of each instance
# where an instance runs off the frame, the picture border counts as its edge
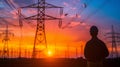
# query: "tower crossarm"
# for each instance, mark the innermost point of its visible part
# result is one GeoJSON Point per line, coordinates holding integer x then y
{"type": "Point", "coordinates": [113, 33]}
{"type": "Point", "coordinates": [47, 17]}
{"type": "Point", "coordinates": [40, 42]}
{"type": "Point", "coordinates": [113, 36]}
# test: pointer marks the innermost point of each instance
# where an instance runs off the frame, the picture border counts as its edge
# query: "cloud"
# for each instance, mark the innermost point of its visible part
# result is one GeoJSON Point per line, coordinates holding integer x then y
{"type": "Point", "coordinates": [30, 12]}
{"type": "Point", "coordinates": [69, 6]}
{"type": "Point", "coordinates": [5, 13]}
{"type": "Point", "coordinates": [75, 1]}
{"type": "Point", "coordinates": [73, 21]}
{"type": "Point", "coordinates": [73, 8]}
{"type": "Point", "coordinates": [1, 5]}
{"type": "Point", "coordinates": [23, 2]}
{"type": "Point", "coordinates": [14, 14]}
{"type": "Point", "coordinates": [13, 2]}
{"type": "Point", "coordinates": [66, 4]}
{"type": "Point", "coordinates": [73, 24]}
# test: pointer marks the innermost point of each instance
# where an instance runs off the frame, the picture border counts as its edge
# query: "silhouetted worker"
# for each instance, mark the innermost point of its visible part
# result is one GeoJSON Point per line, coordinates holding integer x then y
{"type": "Point", "coordinates": [95, 50]}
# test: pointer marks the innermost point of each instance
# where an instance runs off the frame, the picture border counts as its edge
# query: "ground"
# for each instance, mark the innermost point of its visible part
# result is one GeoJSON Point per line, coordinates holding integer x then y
{"type": "Point", "coordinates": [60, 62]}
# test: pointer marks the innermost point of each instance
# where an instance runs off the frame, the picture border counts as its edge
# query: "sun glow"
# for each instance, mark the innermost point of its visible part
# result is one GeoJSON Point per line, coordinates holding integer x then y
{"type": "Point", "coordinates": [49, 53]}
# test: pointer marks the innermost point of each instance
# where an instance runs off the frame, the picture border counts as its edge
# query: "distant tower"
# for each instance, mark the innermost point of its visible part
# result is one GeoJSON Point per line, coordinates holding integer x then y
{"type": "Point", "coordinates": [56, 54]}
{"type": "Point", "coordinates": [76, 52]}
{"type": "Point", "coordinates": [65, 53]}
{"type": "Point", "coordinates": [68, 49]}
{"type": "Point", "coordinates": [21, 36]}
{"type": "Point", "coordinates": [6, 33]}
{"type": "Point", "coordinates": [81, 50]}
{"type": "Point", "coordinates": [113, 35]}
{"type": "Point", "coordinates": [41, 16]}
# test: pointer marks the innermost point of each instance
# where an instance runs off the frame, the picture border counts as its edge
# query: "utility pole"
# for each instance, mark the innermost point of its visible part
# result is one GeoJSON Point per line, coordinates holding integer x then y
{"type": "Point", "coordinates": [114, 35]}
{"type": "Point", "coordinates": [41, 17]}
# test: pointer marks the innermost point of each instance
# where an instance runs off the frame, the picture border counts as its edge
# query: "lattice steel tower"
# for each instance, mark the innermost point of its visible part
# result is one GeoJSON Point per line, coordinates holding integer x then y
{"type": "Point", "coordinates": [114, 35]}
{"type": "Point", "coordinates": [114, 42]}
{"type": "Point", "coordinates": [6, 33]}
{"type": "Point", "coordinates": [41, 16]}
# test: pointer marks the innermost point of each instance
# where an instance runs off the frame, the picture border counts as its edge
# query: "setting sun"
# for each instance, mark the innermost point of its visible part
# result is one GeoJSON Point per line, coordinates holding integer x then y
{"type": "Point", "coordinates": [59, 33]}
{"type": "Point", "coordinates": [49, 53]}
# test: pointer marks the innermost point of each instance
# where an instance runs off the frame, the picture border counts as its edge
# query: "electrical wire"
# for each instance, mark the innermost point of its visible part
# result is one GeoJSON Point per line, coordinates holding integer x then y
{"type": "Point", "coordinates": [95, 12]}
{"type": "Point", "coordinates": [85, 6]}
{"type": "Point", "coordinates": [13, 7]}
{"type": "Point", "coordinates": [86, 3]}
{"type": "Point", "coordinates": [92, 14]}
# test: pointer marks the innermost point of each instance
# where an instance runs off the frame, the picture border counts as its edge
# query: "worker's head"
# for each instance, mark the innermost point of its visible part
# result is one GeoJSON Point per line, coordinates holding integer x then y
{"type": "Point", "coordinates": [94, 31]}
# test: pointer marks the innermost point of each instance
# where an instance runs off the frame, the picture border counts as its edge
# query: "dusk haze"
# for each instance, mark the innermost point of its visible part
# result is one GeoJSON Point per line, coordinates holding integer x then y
{"type": "Point", "coordinates": [59, 33]}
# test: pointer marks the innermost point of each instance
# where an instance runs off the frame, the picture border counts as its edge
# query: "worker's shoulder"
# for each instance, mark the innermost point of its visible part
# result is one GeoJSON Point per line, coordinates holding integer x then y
{"type": "Point", "coordinates": [89, 42]}
{"type": "Point", "coordinates": [95, 41]}
{"type": "Point", "coordinates": [100, 41]}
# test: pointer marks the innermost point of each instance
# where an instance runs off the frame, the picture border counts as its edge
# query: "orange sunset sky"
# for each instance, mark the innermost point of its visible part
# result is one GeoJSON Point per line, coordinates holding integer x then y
{"type": "Point", "coordinates": [66, 41]}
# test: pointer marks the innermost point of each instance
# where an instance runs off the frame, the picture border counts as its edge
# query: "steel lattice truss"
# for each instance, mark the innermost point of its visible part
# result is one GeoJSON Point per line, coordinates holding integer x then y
{"type": "Point", "coordinates": [41, 17]}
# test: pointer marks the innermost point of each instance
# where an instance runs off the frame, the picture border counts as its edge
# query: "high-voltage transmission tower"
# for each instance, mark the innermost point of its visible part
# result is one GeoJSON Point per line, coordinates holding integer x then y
{"type": "Point", "coordinates": [41, 17]}
{"type": "Point", "coordinates": [115, 39]}
{"type": "Point", "coordinates": [6, 33]}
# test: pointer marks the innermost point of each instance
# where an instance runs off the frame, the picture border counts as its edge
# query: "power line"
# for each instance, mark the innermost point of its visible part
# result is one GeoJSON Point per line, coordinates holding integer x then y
{"type": "Point", "coordinates": [97, 10]}
{"type": "Point", "coordinates": [41, 17]}
{"type": "Point", "coordinates": [91, 15]}
{"type": "Point", "coordinates": [84, 6]}
{"type": "Point", "coordinates": [13, 7]}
